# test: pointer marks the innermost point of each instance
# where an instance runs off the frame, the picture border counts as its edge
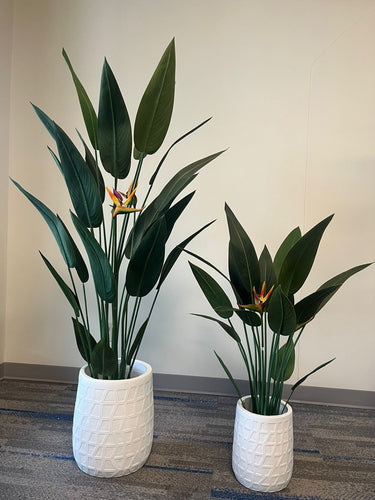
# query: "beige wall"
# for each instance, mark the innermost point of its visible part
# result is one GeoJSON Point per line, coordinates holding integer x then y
{"type": "Point", "coordinates": [5, 73]}
{"type": "Point", "coordinates": [291, 88]}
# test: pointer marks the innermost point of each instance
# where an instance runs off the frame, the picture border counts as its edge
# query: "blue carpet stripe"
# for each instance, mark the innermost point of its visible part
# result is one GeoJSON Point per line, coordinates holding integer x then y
{"type": "Point", "coordinates": [225, 494]}
{"type": "Point", "coordinates": [37, 414]}
{"type": "Point", "coordinates": [204, 402]}
{"type": "Point", "coordinates": [179, 469]}
{"type": "Point", "coordinates": [37, 455]}
{"type": "Point", "coordinates": [57, 456]}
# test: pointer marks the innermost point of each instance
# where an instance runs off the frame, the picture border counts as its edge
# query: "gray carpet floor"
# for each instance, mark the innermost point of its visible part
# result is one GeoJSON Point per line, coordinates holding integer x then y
{"type": "Point", "coordinates": [334, 447]}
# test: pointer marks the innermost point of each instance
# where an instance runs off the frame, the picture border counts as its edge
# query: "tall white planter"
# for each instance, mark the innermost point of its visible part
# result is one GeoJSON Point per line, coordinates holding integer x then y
{"type": "Point", "coordinates": [113, 422]}
{"type": "Point", "coordinates": [262, 457]}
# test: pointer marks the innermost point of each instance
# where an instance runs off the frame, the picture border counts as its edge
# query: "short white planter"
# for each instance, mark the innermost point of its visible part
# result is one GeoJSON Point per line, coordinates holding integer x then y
{"type": "Point", "coordinates": [113, 422]}
{"type": "Point", "coordinates": [262, 457]}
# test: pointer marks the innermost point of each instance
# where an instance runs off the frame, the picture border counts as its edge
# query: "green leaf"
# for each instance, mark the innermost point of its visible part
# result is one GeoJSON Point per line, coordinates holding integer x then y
{"type": "Point", "coordinates": [213, 292]}
{"type": "Point", "coordinates": [243, 262]}
{"type": "Point", "coordinates": [156, 106]}
{"type": "Point", "coordinates": [96, 173]}
{"type": "Point", "coordinates": [251, 318]}
{"type": "Point", "coordinates": [153, 177]}
{"type": "Point", "coordinates": [174, 212]}
{"type": "Point", "coordinates": [229, 375]}
{"type": "Point", "coordinates": [300, 258]}
{"type": "Point", "coordinates": [176, 252]}
{"type": "Point", "coordinates": [79, 265]}
{"type": "Point", "coordinates": [59, 231]}
{"type": "Point", "coordinates": [147, 261]}
{"type": "Point", "coordinates": [300, 381]}
{"type": "Point", "coordinates": [164, 200]}
{"type": "Point", "coordinates": [285, 363]}
{"type": "Point", "coordinates": [267, 271]}
{"type": "Point", "coordinates": [80, 182]}
{"type": "Point", "coordinates": [285, 246]}
{"type": "Point", "coordinates": [339, 280]}
{"type": "Point", "coordinates": [227, 328]}
{"type": "Point", "coordinates": [137, 341]}
{"type": "Point", "coordinates": [104, 279]}
{"type": "Point", "coordinates": [114, 128]}
{"type": "Point", "coordinates": [281, 314]}
{"type": "Point", "coordinates": [307, 308]}
{"type": "Point", "coordinates": [103, 359]}
{"type": "Point", "coordinates": [85, 341]}
{"type": "Point", "coordinates": [89, 115]}
{"type": "Point", "coordinates": [56, 160]}
{"type": "Point", "coordinates": [69, 294]}
{"type": "Point", "coordinates": [179, 181]}
{"type": "Point", "coordinates": [47, 122]}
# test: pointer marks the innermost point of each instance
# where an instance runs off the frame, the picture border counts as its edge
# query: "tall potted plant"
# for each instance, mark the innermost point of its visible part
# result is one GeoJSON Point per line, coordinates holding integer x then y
{"type": "Point", "coordinates": [125, 242]}
{"type": "Point", "coordinates": [271, 323]}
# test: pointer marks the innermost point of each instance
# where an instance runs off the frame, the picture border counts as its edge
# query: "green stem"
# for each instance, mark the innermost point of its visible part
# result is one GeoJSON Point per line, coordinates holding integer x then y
{"type": "Point", "coordinates": [148, 318]}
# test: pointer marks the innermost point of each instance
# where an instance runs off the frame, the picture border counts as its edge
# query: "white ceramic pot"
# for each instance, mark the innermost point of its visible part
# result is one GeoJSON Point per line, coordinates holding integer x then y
{"type": "Point", "coordinates": [262, 457]}
{"type": "Point", "coordinates": [113, 422]}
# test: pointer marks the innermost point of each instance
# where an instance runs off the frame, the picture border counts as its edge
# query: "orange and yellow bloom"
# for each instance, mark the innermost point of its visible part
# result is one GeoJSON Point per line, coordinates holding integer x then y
{"type": "Point", "coordinates": [259, 299]}
{"type": "Point", "coordinates": [122, 201]}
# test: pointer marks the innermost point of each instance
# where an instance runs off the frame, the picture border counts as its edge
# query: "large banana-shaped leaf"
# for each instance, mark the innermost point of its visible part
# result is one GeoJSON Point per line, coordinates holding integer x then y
{"type": "Point", "coordinates": [92, 164]}
{"type": "Point", "coordinates": [81, 184]}
{"type": "Point", "coordinates": [174, 212]}
{"type": "Point", "coordinates": [284, 248]}
{"type": "Point", "coordinates": [58, 229]}
{"type": "Point", "coordinates": [300, 258]}
{"type": "Point", "coordinates": [251, 318]}
{"type": "Point", "coordinates": [300, 381]}
{"type": "Point", "coordinates": [88, 113]}
{"type": "Point", "coordinates": [147, 261]}
{"type": "Point", "coordinates": [153, 177]}
{"type": "Point", "coordinates": [229, 375]}
{"type": "Point", "coordinates": [80, 265]}
{"type": "Point", "coordinates": [67, 291]}
{"type": "Point", "coordinates": [266, 269]}
{"type": "Point", "coordinates": [286, 358]}
{"type": "Point", "coordinates": [338, 280]}
{"type": "Point", "coordinates": [46, 120]}
{"type": "Point", "coordinates": [164, 200]}
{"type": "Point", "coordinates": [307, 308]}
{"type": "Point", "coordinates": [104, 279]}
{"type": "Point", "coordinates": [281, 314]}
{"type": "Point", "coordinates": [227, 328]}
{"type": "Point", "coordinates": [243, 262]}
{"type": "Point", "coordinates": [213, 292]}
{"type": "Point", "coordinates": [176, 252]}
{"type": "Point", "coordinates": [114, 129]}
{"type": "Point", "coordinates": [137, 341]}
{"type": "Point", "coordinates": [180, 180]}
{"type": "Point", "coordinates": [155, 109]}
{"type": "Point", "coordinates": [103, 359]}
{"type": "Point", "coordinates": [85, 341]}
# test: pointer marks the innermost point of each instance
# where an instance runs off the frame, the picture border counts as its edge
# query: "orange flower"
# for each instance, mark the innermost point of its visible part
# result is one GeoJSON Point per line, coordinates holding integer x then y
{"type": "Point", "coordinates": [122, 206]}
{"type": "Point", "coordinates": [259, 299]}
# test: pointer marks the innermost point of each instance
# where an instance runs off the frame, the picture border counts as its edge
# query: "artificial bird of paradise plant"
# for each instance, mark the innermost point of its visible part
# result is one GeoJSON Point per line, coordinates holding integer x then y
{"type": "Point", "coordinates": [271, 321]}
{"type": "Point", "coordinates": [127, 256]}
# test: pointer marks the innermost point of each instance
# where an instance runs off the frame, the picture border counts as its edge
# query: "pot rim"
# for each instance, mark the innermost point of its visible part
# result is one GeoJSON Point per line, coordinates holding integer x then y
{"type": "Point", "coordinates": [144, 371]}
{"type": "Point", "coordinates": [286, 414]}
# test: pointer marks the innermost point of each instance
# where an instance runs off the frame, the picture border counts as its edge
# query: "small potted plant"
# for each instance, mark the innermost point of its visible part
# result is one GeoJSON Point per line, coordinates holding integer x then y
{"type": "Point", "coordinates": [125, 242]}
{"type": "Point", "coordinates": [271, 323]}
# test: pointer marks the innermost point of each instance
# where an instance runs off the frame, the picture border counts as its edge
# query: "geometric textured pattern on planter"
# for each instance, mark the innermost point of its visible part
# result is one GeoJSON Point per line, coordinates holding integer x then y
{"type": "Point", "coordinates": [262, 456]}
{"type": "Point", "coordinates": [113, 423]}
